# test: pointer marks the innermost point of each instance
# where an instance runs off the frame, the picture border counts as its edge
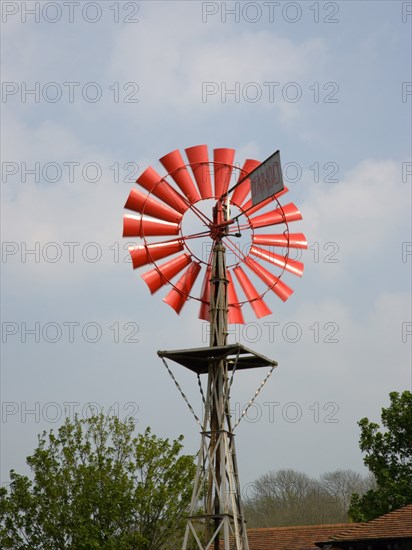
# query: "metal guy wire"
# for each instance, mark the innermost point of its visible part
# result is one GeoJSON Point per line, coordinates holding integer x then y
{"type": "Point", "coordinates": [201, 389]}
{"type": "Point", "coordinates": [181, 392]}
{"type": "Point", "coordinates": [257, 392]}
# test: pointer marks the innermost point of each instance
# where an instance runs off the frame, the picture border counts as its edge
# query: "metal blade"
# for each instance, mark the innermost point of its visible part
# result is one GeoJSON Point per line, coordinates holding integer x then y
{"type": "Point", "coordinates": [287, 213]}
{"type": "Point", "coordinates": [291, 240]}
{"type": "Point", "coordinates": [147, 254]}
{"type": "Point", "coordinates": [241, 191]}
{"type": "Point", "coordinates": [137, 226]}
{"type": "Point", "coordinates": [257, 303]}
{"type": "Point", "coordinates": [235, 315]}
{"type": "Point", "coordinates": [204, 312]}
{"type": "Point", "coordinates": [162, 274]}
{"type": "Point", "coordinates": [151, 181]}
{"type": "Point", "coordinates": [178, 296]}
{"type": "Point", "coordinates": [223, 160]}
{"type": "Point", "coordinates": [253, 209]}
{"type": "Point", "coordinates": [283, 262]}
{"type": "Point", "coordinates": [145, 204]}
{"type": "Point", "coordinates": [175, 165]}
{"type": "Point", "coordinates": [199, 160]}
{"type": "Point", "coordinates": [275, 284]}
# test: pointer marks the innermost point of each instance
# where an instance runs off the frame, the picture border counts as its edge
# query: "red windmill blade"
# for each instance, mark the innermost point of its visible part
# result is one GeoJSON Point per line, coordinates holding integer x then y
{"type": "Point", "coordinates": [160, 275]}
{"type": "Point", "coordinates": [290, 240]}
{"type": "Point", "coordinates": [273, 282]}
{"type": "Point", "coordinates": [144, 204]}
{"type": "Point", "coordinates": [281, 261]}
{"type": "Point", "coordinates": [199, 163]}
{"type": "Point", "coordinates": [156, 185]}
{"type": "Point", "coordinates": [134, 226]}
{"type": "Point", "coordinates": [235, 315]}
{"type": "Point", "coordinates": [181, 292]}
{"type": "Point", "coordinates": [223, 162]}
{"type": "Point", "coordinates": [252, 209]}
{"type": "Point", "coordinates": [257, 303]}
{"type": "Point", "coordinates": [204, 312]}
{"type": "Point", "coordinates": [288, 213]}
{"type": "Point", "coordinates": [149, 253]}
{"type": "Point", "coordinates": [161, 212]}
{"type": "Point", "coordinates": [175, 165]}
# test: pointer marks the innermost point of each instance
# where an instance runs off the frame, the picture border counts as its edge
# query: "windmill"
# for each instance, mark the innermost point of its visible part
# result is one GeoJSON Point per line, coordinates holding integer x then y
{"type": "Point", "coordinates": [160, 206]}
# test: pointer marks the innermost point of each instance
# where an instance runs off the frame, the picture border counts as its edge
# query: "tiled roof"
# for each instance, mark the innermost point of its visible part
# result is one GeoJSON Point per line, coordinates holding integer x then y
{"type": "Point", "coordinates": [394, 525]}
{"type": "Point", "coordinates": [300, 537]}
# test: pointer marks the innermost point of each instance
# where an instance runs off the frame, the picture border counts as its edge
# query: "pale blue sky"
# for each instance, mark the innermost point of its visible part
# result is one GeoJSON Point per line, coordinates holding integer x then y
{"type": "Point", "coordinates": [165, 60]}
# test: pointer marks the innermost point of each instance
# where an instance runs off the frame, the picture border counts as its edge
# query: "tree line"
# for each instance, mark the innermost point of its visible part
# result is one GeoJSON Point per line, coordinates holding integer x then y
{"type": "Point", "coordinates": [287, 497]}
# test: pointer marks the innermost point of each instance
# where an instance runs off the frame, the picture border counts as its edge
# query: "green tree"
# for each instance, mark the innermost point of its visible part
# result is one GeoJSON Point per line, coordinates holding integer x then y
{"type": "Point", "coordinates": [389, 458]}
{"type": "Point", "coordinates": [95, 485]}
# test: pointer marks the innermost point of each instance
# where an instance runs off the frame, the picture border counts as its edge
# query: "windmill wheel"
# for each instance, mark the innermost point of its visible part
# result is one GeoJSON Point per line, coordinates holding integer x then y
{"type": "Point", "coordinates": [186, 212]}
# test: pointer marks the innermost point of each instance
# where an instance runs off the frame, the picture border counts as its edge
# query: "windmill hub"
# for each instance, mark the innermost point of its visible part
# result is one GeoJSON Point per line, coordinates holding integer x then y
{"type": "Point", "coordinates": [218, 231]}
{"type": "Point", "coordinates": [209, 230]}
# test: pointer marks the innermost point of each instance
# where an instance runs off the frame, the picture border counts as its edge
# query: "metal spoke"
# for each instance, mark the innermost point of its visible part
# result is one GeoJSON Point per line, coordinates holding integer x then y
{"type": "Point", "coordinates": [200, 214]}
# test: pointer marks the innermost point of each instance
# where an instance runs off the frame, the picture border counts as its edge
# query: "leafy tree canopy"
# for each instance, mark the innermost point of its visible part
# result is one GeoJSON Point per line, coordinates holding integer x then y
{"type": "Point", "coordinates": [388, 455]}
{"type": "Point", "coordinates": [95, 485]}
